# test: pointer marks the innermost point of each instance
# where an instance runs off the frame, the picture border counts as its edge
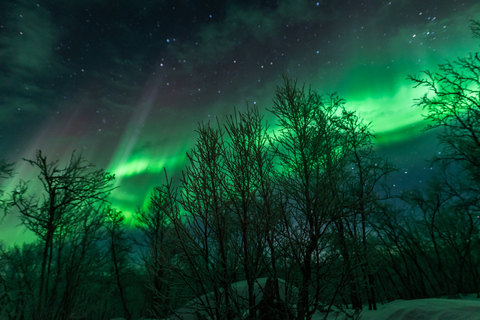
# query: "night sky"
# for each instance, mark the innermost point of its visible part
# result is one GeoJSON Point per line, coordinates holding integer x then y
{"type": "Point", "coordinates": [126, 82]}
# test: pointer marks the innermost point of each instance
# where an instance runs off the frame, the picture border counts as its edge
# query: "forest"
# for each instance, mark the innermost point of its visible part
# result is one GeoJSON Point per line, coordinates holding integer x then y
{"type": "Point", "coordinates": [267, 221]}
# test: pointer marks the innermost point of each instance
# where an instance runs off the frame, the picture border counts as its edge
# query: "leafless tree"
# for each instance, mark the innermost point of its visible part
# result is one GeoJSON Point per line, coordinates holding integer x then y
{"type": "Point", "coordinates": [157, 230]}
{"type": "Point", "coordinates": [204, 234]}
{"type": "Point", "coordinates": [475, 27]}
{"type": "Point", "coordinates": [452, 102]}
{"type": "Point", "coordinates": [19, 265]}
{"type": "Point", "coordinates": [6, 171]}
{"type": "Point", "coordinates": [118, 250]}
{"type": "Point", "coordinates": [53, 213]}
{"type": "Point", "coordinates": [248, 167]}
{"type": "Point", "coordinates": [362, 192]}
{"type": "Point", "coordinates": [312, 149]}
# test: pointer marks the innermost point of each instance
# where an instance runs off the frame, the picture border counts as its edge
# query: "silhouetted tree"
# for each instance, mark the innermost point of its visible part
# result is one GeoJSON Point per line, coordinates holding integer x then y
{"type": "Point", "coordinates": [118, 250]}
{"type": "Point", "coordinates": [52, 213]}
{"type": "Point", "coordinates": [452, 102]}
{"type": "Point", "coordinates": [18, 268]}
{"type": "Point", "coordinates": [6, 171]}
{"type": "Point", "coordinates": [248, 166]}
{"type": "Point", "coordinates": [475, 27]}
{"type": "Point", "coordinates": [206, 261]}
{"type": "Point", "coordinates": [157, 230]}
{"type": "Point", "coordinates": [362, 192]}
{"type": "Point", "coordinates": [312, 149]}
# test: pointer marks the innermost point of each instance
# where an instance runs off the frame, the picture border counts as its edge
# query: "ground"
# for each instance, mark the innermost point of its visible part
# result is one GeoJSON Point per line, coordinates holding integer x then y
{"type": "Point", "coordinates": [468, 307]}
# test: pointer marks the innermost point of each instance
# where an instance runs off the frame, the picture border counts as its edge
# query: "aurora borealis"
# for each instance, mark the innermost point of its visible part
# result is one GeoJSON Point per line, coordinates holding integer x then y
{"type": "Point", "coordinates": [126, 82]}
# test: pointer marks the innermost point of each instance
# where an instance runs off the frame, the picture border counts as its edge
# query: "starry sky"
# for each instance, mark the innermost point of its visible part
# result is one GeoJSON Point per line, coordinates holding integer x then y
{"type": "Point", "coordinates": [126, 82]}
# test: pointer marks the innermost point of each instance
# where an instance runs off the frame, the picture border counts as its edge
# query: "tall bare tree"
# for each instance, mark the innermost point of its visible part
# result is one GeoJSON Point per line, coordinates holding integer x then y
{"type": "Point", "coordinates": [312, 149]}
{"type": "Point", "coordinates": [157, 230]}
{"type": "Point", "coordinates": [51, 213]}
{"type": "Point", "coordinates": [204, 235]}
{"type": "Point", "coordinates": [452, 102]}
{"type": "Point", "coordinates": [248, 161]}
{"type": "Point", "coordinates": [6, 171]}
{"type": "Point", "coordinates": [367, 172]}
{"type": "Point", "coordinates": [118, 250]}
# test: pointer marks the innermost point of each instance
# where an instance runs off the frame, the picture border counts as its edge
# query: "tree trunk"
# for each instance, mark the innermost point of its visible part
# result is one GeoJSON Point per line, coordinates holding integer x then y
{"type": "Point", "coordinates": [303, 299]}
{"type": "Point", "coordinates": [119, 284]}
{"type": "Point", "coordinates": [42, 290]}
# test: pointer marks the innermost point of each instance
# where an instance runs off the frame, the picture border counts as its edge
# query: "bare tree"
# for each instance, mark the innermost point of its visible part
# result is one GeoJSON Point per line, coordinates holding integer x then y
{"type": "Point", "coordinates": [18, 266]}
{"type": "Point", "coordinates": [362, 192]}
{"type": "Point", "coordinates": [50, 214]}
{"type": "Point", "coordinates": [204, 235]}
{"type": "Point", "coordinates": [452, 102]}
{"type": "Point", "coordinates": [118, 250]}
{"type": "Point", "coordinates": [475, 27]}
{"type": "Point", "coordinates": [76, 254]}
{"type": "Point", "coordinates": [228, 232]}
{"type": "Point", "coordinates": [248, 166]}
{"type": "Point", "coordinates": [73, 260]}
{"type": "Point", "coordinates": [312, 150]}
{"type": "Point", "coordinates": [157, 229]}
{"type": "Point", "coordinates": [452, 228]}
{"type": "Point", "coordinates": [6, 171]}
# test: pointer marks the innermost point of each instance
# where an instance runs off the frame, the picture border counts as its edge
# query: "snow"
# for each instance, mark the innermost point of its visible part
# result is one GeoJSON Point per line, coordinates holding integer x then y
{"type": "Point", "coordinates": [466, 308]}
{"type": "Point", "coordinates": [241, 288]}
{"type": "Point", "coordinates": [432, 309]}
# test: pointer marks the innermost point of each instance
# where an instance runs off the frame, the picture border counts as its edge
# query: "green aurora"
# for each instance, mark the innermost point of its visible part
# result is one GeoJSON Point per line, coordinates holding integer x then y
{"type": "Point", "coordinates": [127, 85]}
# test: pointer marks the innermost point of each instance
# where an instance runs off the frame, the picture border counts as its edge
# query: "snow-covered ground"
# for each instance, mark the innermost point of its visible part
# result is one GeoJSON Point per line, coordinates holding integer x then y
{"type": "Point", "coordinates": [426, 309]}
{"type": "Point", "coordinates": [466, 308]}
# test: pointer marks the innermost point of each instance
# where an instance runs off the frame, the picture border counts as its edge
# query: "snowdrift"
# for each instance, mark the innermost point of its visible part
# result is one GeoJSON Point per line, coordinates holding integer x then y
{"type": "Point", "coordinates": [195, 309]}
{"type": "Point", "coordinates": [422, 309]}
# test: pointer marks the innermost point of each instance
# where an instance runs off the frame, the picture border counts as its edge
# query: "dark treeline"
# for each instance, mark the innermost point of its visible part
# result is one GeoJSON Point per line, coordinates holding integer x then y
{"type": "Point", "coordinates": [300, 213]}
